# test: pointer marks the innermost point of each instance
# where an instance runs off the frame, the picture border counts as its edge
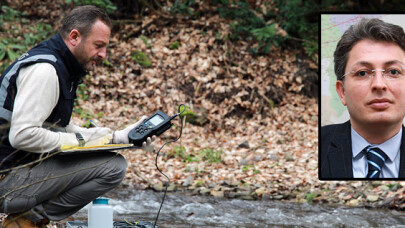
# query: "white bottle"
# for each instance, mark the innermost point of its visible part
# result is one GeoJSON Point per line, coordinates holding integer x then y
{"type": "Point", "coordinates": [100, 214]}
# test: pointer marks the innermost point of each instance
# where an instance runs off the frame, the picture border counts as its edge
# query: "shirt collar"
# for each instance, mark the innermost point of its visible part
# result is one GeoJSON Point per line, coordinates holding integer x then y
{"type": "Point", "coordinates": [390, 147]}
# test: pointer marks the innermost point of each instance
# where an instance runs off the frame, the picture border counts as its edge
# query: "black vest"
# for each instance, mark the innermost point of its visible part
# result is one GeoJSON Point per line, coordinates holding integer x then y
{"type": "Point", "coordinates": [69, 71]}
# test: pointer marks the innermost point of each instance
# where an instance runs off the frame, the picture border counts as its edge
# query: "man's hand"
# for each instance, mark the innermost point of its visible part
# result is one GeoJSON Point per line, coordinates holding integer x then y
{"type": "Point", "coordinates": [122, 135]}
{"type": "Point", "coordinates": [97, 136]}
{"type": "Point", "coordinates": [147, 146]}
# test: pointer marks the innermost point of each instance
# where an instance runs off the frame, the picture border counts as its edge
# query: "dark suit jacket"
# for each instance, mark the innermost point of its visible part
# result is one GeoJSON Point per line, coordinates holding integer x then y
{"type": "Point", "coordinates": [335, 158]}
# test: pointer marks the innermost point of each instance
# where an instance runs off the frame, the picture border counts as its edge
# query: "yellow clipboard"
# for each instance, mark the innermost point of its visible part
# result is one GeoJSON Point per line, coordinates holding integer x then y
{"type": "Point", "coordinates": [97, 148]}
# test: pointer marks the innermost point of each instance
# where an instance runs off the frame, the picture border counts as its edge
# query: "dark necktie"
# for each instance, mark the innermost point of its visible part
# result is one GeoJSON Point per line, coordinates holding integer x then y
{"type": "Point", "coordinates": [376, 159]}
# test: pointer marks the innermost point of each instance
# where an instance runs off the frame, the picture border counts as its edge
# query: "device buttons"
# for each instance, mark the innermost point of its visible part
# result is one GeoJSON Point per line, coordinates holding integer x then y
{"type": "Point", "coordinates": [142, 129]}
{"type": "Point", "coordinates": [139, 129]}
{"type": "Point", "coordinates": [149, 125]}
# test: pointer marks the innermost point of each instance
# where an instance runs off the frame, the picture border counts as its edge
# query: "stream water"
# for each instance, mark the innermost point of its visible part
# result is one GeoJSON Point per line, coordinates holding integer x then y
{"type": "Point", "coordinates": [184, 210]}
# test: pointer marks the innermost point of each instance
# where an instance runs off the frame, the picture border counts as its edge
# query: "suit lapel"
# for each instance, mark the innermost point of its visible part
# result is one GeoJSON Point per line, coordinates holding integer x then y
{"type": "Point", "coordinates": [401, 173]}
{"type": "Point", "coordinates": [340, 152]}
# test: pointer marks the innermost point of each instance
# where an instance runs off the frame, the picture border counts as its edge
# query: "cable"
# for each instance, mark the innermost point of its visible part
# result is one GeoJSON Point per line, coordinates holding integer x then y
{"type": "Point", "coordinates": [157, 155]}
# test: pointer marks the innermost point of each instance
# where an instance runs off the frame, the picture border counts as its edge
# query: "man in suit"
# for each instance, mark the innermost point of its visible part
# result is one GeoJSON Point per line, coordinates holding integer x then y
{"type": "Point", "coordinates": [370, 69]}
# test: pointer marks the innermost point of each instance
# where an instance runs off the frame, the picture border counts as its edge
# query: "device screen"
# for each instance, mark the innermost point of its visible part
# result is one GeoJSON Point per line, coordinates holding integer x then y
{"type": "Point", "coordinates": [156, 120]}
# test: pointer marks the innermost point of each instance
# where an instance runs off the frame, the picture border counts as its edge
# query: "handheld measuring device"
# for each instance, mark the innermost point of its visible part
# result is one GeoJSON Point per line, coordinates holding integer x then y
{"type": "Point", "coordinates": [155, 124]}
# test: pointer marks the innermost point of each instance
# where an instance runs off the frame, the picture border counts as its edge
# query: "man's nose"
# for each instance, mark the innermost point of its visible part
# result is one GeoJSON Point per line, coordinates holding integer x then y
{"type": "Point", "coordinates": [102, 53]}
{"type": "Point", "coordinates": [378, 81]}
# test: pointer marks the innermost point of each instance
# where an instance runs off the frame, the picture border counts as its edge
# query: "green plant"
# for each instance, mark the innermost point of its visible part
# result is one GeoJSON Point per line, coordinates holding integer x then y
{"type": "Point", "coordinates": [77, 109]}
{"type": "Point", "coordinates": [107, 5]}
{"type": "Point", "coordinates": [264, 33]}
{"type": "Point", "coordinates": [267, 37]}
{"type": "Point", "coordinates": [245, 168]}
{"type": "Point", "coordinates": [183, 7]}
{"type": "Point", "coordinates": [218, 35]}
{"type": "Point", "coordinates": [247, 25]}
{"type": "Point", "coordinates": [145, 40]}
{"type": "Point", "coordinates": [299, 19]}
{"type": "Point", "coordinates": [174, 45]}
{"type": "Point", "coordinates": [141, 58]}
{"type": "Point", "coordinates": [210, 155]}
{"type": "Point", "coordinates": [16, 41]}
{"type": "Point", "coordinates": [310, 196]}
{"type": "Point", "coordinates": [85, 115]}
{"type": "Point", "coordinates": [82, 92]}
{"type": "Point", "coordinates": [392, 186]}
{"type": "Point", "coordinates": [87, 124]}
{"type": "Point", "coordinates": [39, 33]}
{"type": "Point", "coordinates": [199, 183]}
{"type": "Point", "coordinates": [8, 14]}
{"type": "Point", "coordinates": [106, 63]}
{"type": "Point", "coordinates": [191, 116]}
{"type": "Point", "coordinates": [199, 172]}
{"type": "Point", "coordinates": [180, 152]}
{"type": "Point", "coordinates": [244, 19]}
{"type": "Point", "coordinates": [9, 49]}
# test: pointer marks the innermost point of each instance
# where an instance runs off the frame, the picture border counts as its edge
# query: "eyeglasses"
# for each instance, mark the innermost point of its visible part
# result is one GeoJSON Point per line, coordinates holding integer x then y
{"type": "Point", "coordinates": [365, 74]}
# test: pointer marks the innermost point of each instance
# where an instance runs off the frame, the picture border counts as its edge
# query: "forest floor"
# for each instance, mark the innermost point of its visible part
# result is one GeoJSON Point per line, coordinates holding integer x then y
{"type": "Point", "coordinates": [255, 135]}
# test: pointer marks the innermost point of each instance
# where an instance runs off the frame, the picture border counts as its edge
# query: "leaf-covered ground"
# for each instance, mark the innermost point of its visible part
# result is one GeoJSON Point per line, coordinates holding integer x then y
{"type": "Point", "coordinates": [259, 137]}
{"type": "Point", "coordinates": [255, 129]}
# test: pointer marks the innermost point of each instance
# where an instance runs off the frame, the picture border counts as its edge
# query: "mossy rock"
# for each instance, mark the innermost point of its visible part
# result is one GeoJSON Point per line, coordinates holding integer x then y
{"type": "Point", "coordinates": [196, 117]}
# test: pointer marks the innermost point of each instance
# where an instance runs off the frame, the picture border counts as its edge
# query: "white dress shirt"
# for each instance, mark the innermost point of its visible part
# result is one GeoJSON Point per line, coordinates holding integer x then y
{"type": "Point", "coordinates": [391, 148]}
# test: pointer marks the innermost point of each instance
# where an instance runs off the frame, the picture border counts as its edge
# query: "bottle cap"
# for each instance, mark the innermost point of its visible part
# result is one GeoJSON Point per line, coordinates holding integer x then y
{"type": "Point", "coordinates": [100, 201]}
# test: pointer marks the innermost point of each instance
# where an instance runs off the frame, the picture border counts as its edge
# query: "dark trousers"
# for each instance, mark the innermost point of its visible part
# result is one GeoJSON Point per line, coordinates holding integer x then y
{"type": "Point", "coordinates": [60, 185]}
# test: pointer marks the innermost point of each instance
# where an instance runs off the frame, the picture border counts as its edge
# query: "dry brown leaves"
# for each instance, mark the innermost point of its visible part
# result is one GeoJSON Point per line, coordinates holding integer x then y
{"type": "Point", "coordinates": [247, 99]}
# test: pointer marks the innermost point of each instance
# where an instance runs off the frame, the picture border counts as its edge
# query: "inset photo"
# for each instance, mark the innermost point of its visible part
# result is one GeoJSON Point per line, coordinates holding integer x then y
{"type": "Point", "coordinates": [362, 133]}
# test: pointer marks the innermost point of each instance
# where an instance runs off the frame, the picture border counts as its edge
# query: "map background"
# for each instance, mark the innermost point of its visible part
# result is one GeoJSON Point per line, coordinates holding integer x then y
{"type": "Point", "coordinates": [332, 28]}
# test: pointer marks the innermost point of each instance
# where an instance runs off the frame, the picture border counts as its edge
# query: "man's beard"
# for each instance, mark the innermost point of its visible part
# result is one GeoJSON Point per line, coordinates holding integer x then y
{"type": "Point", "coordinates": [85, 62]}
{"type": "Point", "coordinates": [91, 63]}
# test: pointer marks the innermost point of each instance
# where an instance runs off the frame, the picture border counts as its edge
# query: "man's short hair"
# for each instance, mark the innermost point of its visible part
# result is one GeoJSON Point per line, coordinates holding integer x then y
{"type": "Point", "coordinates": [82, 18]}
{"type": "Point", "coordinates": [372, 29]}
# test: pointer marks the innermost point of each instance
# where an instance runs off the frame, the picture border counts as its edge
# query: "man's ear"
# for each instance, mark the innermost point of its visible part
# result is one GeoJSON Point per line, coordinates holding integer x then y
{"type": "Point", "coordinates": [340, 89]}
{"type": "Point", "coordinates": [74, 37]}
